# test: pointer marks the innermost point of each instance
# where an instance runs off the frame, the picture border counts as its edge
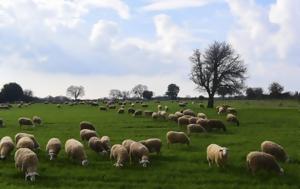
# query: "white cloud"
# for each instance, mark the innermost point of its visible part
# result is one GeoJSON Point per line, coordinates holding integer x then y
{"type": "Point", "coordinates": [103, 32]}
{"type": "Point", "coordinates": [159, 5]}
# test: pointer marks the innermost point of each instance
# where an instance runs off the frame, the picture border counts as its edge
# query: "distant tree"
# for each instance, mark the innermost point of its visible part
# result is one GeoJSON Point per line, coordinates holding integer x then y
{"type": "Point", "coordinates": [138, 90]}
{"type": "Point", "coordinates": [172, 91]}
{"type": "Point", "coordinates": [254, 93]}
{"type": "Point", "coordinates": [12, 92]}
{"type": "Point", "coordinates": [125, 95]}
{"type": "Point", "coordinates": [147, 94]}
{"type": "Point", "coordinates": [275, 89]}
{"type": "Point", "coordinates": [115, 94]}
{"type": "Point", "coordinates": [75, 91]}
{"type": "Point", "coordinates": [27, 95]}
{"type": "Point", "coordinates": [224, 90]}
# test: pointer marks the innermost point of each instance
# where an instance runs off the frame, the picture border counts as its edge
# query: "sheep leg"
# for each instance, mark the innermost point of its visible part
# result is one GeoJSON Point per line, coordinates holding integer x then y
{"type": "Point", "coordinates": [209, 163]}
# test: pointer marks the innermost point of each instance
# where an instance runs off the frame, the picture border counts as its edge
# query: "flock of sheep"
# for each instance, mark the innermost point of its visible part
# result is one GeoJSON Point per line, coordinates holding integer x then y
{"type": "Point", "coordinates": [129, 150]}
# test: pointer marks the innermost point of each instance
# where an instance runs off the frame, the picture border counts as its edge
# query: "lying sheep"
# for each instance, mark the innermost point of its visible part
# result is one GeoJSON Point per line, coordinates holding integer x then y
{"type": "Point", "coordinates": [126, 143]}
{"type": "Point", "coordinates": [25, 121]}
{"type": "Point", "coordinates": [262, 161]}
{"type": "Point", "coordinates": [120, 153]}
{"type": "Point", "coordinates": [105, 140]}
{"type": "Point", "coordinates": [102, 108]}
{"type": "Point", "coordinates": [154, 115]}
{"type": "Point", "coordinates": [130, 110]}
{"type": "Point", "coordinates": [37, 120]}
{"type": "Point", "coordinates": [217, 154]}
{"type": "Point", "coordinates": [233, 119]}
{"type": "Point", "coordinates": [86, 134]}
{"type": "Point", "coordinates": [121, 110]}
{"type": "Point", "coordinates": [202, 115]}
{"type": "Point", "coordinates": [189, 112]}
{"type": "Point", "coordinates": [177, 137]}
{"type": "Point", "coordinates": [25, 142]}
{"type": "Point", "coordinates": [138, 113]}
{"type": "Point", "coordinates": [140, 152]}
{"type": "Point", "coordinates": [153, 144]}
{"type": "Point", "coordinates": [18, 136]}
{"type": "Point", "coordinates": [195, 128]}
{"type": "Point", "coordinates": [6, 147]}
{"type": "Point", "coordinates": [87, 125]}
{"type": "Point", "coordinates": [183, 121]}
{"type": "Point", "coordinates": [75, 150]}
{"type": "Point", "coordinates": [96, 145]}
{"type": "Point", "coordinates": [274, 149]}
{"type": "Point", "coordinates": [26, 161]}
{"type": "Point", "coordinates": [53, 147]}
{"type": "Point", "coordinates": [193, 120]}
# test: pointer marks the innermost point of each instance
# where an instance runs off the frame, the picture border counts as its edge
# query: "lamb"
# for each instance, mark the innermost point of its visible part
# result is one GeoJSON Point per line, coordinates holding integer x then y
{"type": "Point", "coordinates": [75, 150]}
{"type": "Point", "coordinates": [6, 147]}
{"type": "Point", "coordinates": [140, 152]}
{"type": "Point", "coordinates": [217, 154]}
{"type": "Point", "coordinates": [25, 142]}
{"type": "Point", "coordinates": [194, 128]}
{"type": "Point", "coordinates": [26, 161]}
{"type": "Point", "coordinates": [37, 120]}
{"type": "Point", "coordinates": [86, 134]}
{"type": "Point", "coordinates": [87, 125]}
{"type": "Point", "coordinates": [121, 110]}
{"type": "Point", "coordinates": [274, 149]}
{"type": "Point", "coordinates": [130, 110]}
{"type": "Point", "coordinates": [202, 115]}
{"type": "Point", "coordinates": [25, 121]}
{"type": "Point", "coordinates": [193, 120]}
{"type": "Point", "coordinates": [233, 119]}
{"type": "Point", "coordinates": [53, 147]}
{"type": "Point", "coordinates": [18, 136]}
{"type": "Point", "coordinates": [262, 161]}
{"type": "Point", "coordinates": [105, 140]}
{"type": "Point", "coordinates": [189, 112]}
{"type": "Point", "coordinates": [120, 153]}
{"type": "Point", "coordinates": [126, 143]}
{"type": "Point", "coordinates": [96, 145]}
{"type": "Point", "coordinates": [183, 121]}
{"type": "Point", "coordinates": [137, 113]}
{"type": "Point", "coordinates": [154, 115]}
{"type": "Point", "coordinates": [177, 137]}
{"type": "Point", "coordinates": [153, 144]}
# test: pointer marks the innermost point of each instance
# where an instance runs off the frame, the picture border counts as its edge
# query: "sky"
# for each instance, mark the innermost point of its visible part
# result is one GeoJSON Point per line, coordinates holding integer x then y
{"type": "Point", "coordinates": [47, 46]}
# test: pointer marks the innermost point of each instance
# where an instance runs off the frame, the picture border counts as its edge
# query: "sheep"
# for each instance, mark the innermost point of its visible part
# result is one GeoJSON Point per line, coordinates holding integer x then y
{"type": "Point", "coordinates": [189, 112]}
{"type": "Point", "coordinates": [177, 137]}
{"type": "Point", "coordinates": [96, 145]}
{"type": "Point", "coordinates": [102, 108]}
{"type": "Point", "coordinates": [173, 117]}
{"type": "Point", "coordinates": [148, 113]}
{"type": "Point", "coordinates": [122, 106]}
{"type": "Point", "coordinates": [140, 152]}
{"type": "Point", "coordinates": [25, 142]}
{"type": "Point", "coordinates": [231, 111]}
{"type": "Point", "coordinates": [183, 121]}
{"type": "Point", "coordinates": [153, 144]}
{"type": "Point", "coordinates": [130, 110]}
{"type": "Point", "coordinates": [18, 136]}
{"type": "Point", "coordinates": [154, 115]}
{"type": "Point", "coordinates": [262, 161]}
{"type": "Point", "coordinates": [211, 124]}
{"type": "Point", "coordinates": [75, 150]}
{"type": "Point", "coordinates": [233, 119]}
{"type": "Point", "coordinates": [178, 114]}
{"type": "Point", "coordinates": [162, 114]}
{"type": "Point", "coordinates": [126, 143]}
{"type": "Point", "coordinates": [53, 147]}
{"type": "Point", "coordinates": [6, 147]}
{"type": "Point", "coordinates": [193, 120]}
{"type": "Point", "coordinates": [121, 110]}
{"type": "Point", "coordinates": [221, 110]}
{"type": "Point", "coordinates": [86, 134]}
{"type": "Point", "coordinates": [202, 115]}
{"type": "Point", "coordinates": [25, 121]}
{"type": "Point", "coordinates": [1, 122]}
{"type": "Point", "coordinates": [159, 107]}
{"type": "Point", "coordinates": [87, 125]}
{"type": "Point", "coordinates": [274, 149]}
{"type": "Point", "coordinates": [194, 128]}
{"type": "Point", "coordinates": [217, 154]}
{"type": "Point", "coordinates": [105, 140]}
{"type": "Point", "coordinates": [201, 105]}
{"type": "Point", "coordinates": [26, 161]}
{"type": "Point", "coordinates": [166, 108]}
{"type": "Point", "coordinates": [112, 107]}
{"type": "Point", "coordinates": [120, 153]}
{"type": "Point", "coordinates": [132, 105]}
{"type": "Point", "coordinates": [137, 113]}
{"type": "Point", "coordinates": [37, 120]}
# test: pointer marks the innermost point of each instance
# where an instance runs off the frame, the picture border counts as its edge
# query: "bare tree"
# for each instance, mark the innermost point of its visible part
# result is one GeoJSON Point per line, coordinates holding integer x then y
{"type": "Point", "coordinates": [125, 95]}
{"type": "Point", "coordinates": [115, 94]}
{"type": "Point", "coordinates": [218, 67]}
{"type": "Point", "coordinates": [138, 90]}
{"type": "Point", "coordinates": [75, 91]}
{"type": "Point", "coordinates": [275, 89]}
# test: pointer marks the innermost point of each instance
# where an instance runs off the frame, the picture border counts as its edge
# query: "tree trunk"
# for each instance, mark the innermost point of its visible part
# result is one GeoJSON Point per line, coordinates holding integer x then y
{"type": "Point", "coordinates": [210, 103]}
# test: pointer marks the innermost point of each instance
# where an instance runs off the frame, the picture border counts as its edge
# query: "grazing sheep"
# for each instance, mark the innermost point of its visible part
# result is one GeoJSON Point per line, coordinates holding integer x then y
{"type": "Point", "coordinates": [1, 122]}
{"type": "Point", "coordinates": [37, 120]}
{"type": "Point", "coordinates": [58, 105]}
{"type": "Point", "coordinates": [102, 108]}
{"type": "Point", "coordinates": [177, 137]}
{"type": "Point", "coordinates": [132, 104]}
{"type": "Point", "coordinates": [194, 128]}
{"type": "Point", "coordinates": [6, 147]}
{"type": "Point", "coordinates": [183, 121]}
{"type": "Point", "coordinates": [25, 121]}
{"type": "Point", "coordinates": [138, 113]}
{"type": "Point", "coordinates": [106, 143]}
{"type": "Point", "coordinates": [231, 111]}
{"type": "Point", "coordinates": [275, 150]}
{"type": "Point", "coordinates": [26, 161]}
{"type": "Point", "coordinates": [221, 110]}
{"type": "Point", "coordinates": [140, 152]}
{"type": "Point", "coordinates": [126, 143]}
{"type": "Point", "coordinates": [178, 114]}
{"type": "Point", "coordinates": [162, 114]}
{"type": "Point", "coordinates": [18, 136]}
{"type": "Point", "coordinates": [148, 113]}
{"type": "Point", "coordinates": [202, 115]}
{"type": "Point", "coordinates": [217, 154]}
{"type": "Point", "coordinates": [130, 110]}
{"type": "Point", "coordinates": [121, 110]}
{"type": "Point", "coordinates": [153, 144]}
{"type": "Point", "coordinates": [86, 134]}
{"type": "Point", "coordinates": [173, 117]}
{"type": "Point", "coordinates": [233, 119]}
{"type": "Point", "coordinates": [262, 161]}
{"type": "Point", "coordinates": [189, 112]}
{"type": "Point", "coordinates": [25, 142]}
{"type": "Point", "coordinates": [120, 153]}
{"type": "Point", "coordinates": [154, 115]}
{"type": "Point", "coordinates": [159, 107]}
{"type": "Point", "coordinates": [53, 147]}
{"type": "Point", "coordinates": [193, 120]}
{"type": "Point", "coordinates": [112, 106]}
{"type": "Point", "coordinates": [87, 125]}
{"type": "Point", "coordinates": [75, 150]}
{"type": "Point", "coordinates": [96, 145]}
{"type": "Point", "coordinates": [211, 124]}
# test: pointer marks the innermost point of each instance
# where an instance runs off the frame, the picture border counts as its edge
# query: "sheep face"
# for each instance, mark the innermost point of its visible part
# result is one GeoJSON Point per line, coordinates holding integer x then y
{"type": "Point", "coordinates": [31, 176]}
{"type": "Point", "coordinates": [84, 162]}
{"type": "Point", "coordinates": [145, 162]}
{"type": "Point", "coordinates": [224, 152]}
{"type": "Point", "coordinates": [119, 165]}
{"type": "Point", "coordinates": [52, 156]}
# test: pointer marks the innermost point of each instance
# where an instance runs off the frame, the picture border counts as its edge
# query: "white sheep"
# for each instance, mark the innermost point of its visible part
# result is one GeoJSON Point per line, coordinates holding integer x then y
{"type": "Point", "coordinates": [217, 154]}
{"type": "Point", "coordinates": [105, 140]}
{"type": "Point", "coordinates": [177, 137]}
{"type": "Point", "coordinates": [120, 153]}
{"type": "Point", "coordinates": [153, 144]}
{"type": "Point", "coordinates": [126, 143]}
{"type": "Point", "coordinates": [159, 107]}
{"type": "Point", "coordinates": [140, 152]}
{"type": "Point", "coordinates": [275, 150]}
{"type": "Point", "coordinates": [202, 115]}
{"type": "Point", "coordinates": [25, 142]}
{"type": "Point", "coordinates": [6, 147]}
{"type": "Point", "coordinates": [18, 136]}
{"type": "Point", "coordinates": [53, 147]}
{"type": "Point", "coordinates": [96, 145]}
{"type": "Point", "coordinates": [86, 134]}
{"type": "Point", "coordinates": [75, 150]}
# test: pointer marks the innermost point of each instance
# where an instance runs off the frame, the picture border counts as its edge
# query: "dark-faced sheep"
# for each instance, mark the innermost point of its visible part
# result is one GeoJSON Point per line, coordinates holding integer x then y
{"type": "Point", "coordinates": [53, 148]}
{"type": "Point", "coordinates": [26, 161]}
{"type": "Point", "coordinates": [87, 125]}
{"type": "Point", "coordinates": [274, 149]}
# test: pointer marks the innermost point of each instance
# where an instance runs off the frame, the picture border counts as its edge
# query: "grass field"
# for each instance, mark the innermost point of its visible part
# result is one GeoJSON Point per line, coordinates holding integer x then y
{"type": "Point", "coordinates": [177, 167]}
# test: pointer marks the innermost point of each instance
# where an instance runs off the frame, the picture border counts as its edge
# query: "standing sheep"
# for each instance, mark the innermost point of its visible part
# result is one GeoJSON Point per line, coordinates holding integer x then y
{"type": "Point", "coordinates": [233, 119]}
{"type": "Point", "coordinates": [172, 117]}
{"type": "Point", "coordinates": [120, 153]}
{"type": "Point", "coordinates": [26, 161]}
{"type": "Point", "coordinates": [6, 147]}
{"type": "Point", "coordinates": [130, 110]}
{"type": "Point", "coordinates": [202, 115]}
{"type": "Point", "coordinates": [178, 114]}
{"type": "Point", "coordinates": [153, 144]}
{"type": "Point", "coordinates": [154, 115]}
{"type": "Point", "coordinates": [183, 121]}
{"type": "Point", "coordinates": [163, 115]}
{"type": "Point", "coordinates": [126, 143]}
{"type": "Point", "coordinates": [213, 124]}
{"type": "Point", "coordinates": [96, 145]}
{"type": "Point", "coordinates": [25, 142]}
{"type": "Point", "coordinates": [105, 140]}
{"type": "Point", "coordinates": [166, 108]}
{"type": "Point", "coordinates": [138, 113]}
{"type": "Point", "coordinates": [87, 125]}
{"type": "Point", "coordinates": [217, 154]}
{"type": "Point", "coordinates": [53, 147]}
{"type": "Point", "coordinates": [193, 120]}
{"type": "Point", "coordinates": [148, 113]}
{"type": "Point", "coordinates": [37, 120]}
{"type": "Point", "coordinates": [75, 150]}
{"type": "Point", "coordinates": [121, 111]}
{"type": "Point", "coordinates": [140, 152]}
{"type": "Point", "coordinates": [86, 134]}
{"type": "Point", "coordinates": [18, 136]}
{"type": "Point", "coordinates": [275, 150]}
{"type": "Point", "coordinates": [25, 121]}
{"type": "Point", "coordinates": [231, 111]}
{"type": "Point", "coordinates": [194, 128]}
{"type": "Point", "coordinates": [189, 112]}
{"type": "Point", "coordinates": [262, 161]}
{"type": "Point", "coordinates": [177, 137]}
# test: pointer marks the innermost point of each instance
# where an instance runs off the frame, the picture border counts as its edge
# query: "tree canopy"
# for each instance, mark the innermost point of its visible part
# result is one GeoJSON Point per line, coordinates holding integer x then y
{"type": "Point", "coordinates": [172, 91]}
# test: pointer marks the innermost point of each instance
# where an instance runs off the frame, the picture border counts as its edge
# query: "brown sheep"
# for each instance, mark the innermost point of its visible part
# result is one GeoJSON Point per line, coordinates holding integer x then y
{"type": "Point", "coordinates": [25, 121]}
{"type": "Point", "coordinates": [86, 134]}
{"type": "Point", "coordinates": [189, 112]}
{"type": "Point", "coordinates": [232, 119]}
{"type": "Point", "coordinates": [18, 136]}
{"type": "Point", "coordinates": [193, 120]}
{"type": "Point", "coordinates": [87, 125]}
{"type": "Point", "coordinates": [153, 144]}
{"type": "Point", "coordinates": [177, 137]}
{"type": "Point", "coordinates": [195, 128]}
{"type": "Point", "coordinates": [274, 149]}
{"type": "Point", "coordinates": [183, 121]}
{"type": "Point", "coordinates": [140, 152]}
{"type": "Point", "coordinates": [126, 143]}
